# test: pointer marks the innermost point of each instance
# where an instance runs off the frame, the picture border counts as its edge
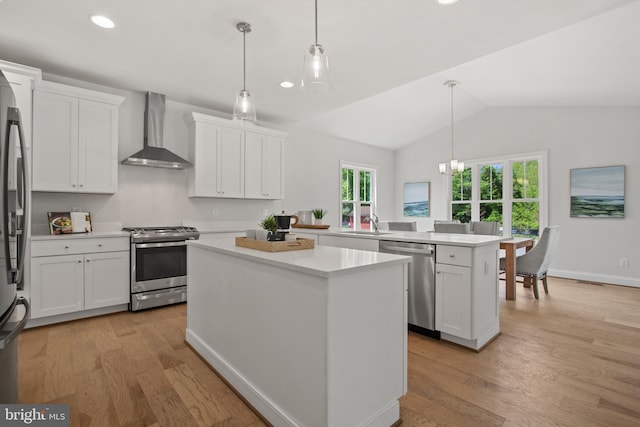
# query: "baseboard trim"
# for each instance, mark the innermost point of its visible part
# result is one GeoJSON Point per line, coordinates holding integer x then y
{"type": "Point", "coordinates": [49, 320]}
{"type": "Point", "coordinates": [267, 409]}
{"type": "Point", "coordinates": [592, 277]}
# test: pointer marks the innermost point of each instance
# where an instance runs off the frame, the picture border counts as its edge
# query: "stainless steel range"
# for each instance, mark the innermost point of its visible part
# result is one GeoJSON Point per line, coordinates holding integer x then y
{"type": "Point", "coordinates": [159, 265]}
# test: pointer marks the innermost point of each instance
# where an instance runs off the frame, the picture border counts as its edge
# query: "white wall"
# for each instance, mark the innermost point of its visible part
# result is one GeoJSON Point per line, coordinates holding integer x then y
{"type": "Point", "coordinates": [589, 248]}
{"type": "Point", "coordinates": [153, 196]}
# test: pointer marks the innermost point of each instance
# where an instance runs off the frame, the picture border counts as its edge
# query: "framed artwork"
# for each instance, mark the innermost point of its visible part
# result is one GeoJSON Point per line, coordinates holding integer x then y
{"type": "Point", "coordinates": [416, 199]}
{"type": "Point", "coordinates": [597, 192]}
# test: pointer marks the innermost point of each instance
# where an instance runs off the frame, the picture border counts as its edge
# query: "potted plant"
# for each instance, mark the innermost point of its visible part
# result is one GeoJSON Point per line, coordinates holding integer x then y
{"type": "Point", "coordinates": [270, 224]}
{"type": "Point", "coordinates": [318, 214]}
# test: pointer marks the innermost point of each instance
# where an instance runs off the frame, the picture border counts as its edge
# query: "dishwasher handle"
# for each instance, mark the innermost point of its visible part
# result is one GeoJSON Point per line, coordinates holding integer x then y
{"type": "Point", "coordinates": [428, 251]}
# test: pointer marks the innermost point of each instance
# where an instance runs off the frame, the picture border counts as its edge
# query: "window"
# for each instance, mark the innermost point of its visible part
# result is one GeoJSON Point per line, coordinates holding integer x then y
{"type": "Point", "coordinates": [358, 200]}
{"type": "Point", "coordinates": [506, 190]}
{"type": "Point", "coordinates": [461, 196]}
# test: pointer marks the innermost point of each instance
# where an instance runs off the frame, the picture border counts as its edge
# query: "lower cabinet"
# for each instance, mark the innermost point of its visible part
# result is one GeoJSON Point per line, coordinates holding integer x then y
{"type": "Point", "coordinates": [467, 310]}
{"type": "Point", "coordinates": [63, 284]}
{"type": "Point", "coordinates": [453, 300]}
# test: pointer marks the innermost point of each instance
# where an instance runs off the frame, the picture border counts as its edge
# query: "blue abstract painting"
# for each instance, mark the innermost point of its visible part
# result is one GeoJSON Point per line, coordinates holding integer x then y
{"type": "Point", "coordinates": [597, 192]}
{"type": "Point", "coordinates": [416, 199]}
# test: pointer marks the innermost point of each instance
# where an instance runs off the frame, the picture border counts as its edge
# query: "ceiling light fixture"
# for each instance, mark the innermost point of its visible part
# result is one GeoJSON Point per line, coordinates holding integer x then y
{"type": "Point", "coordinates": [447, 2]}
{"type": "Point", "coordinates": [454, 165]}
{"type": "Point", "coordinates": [244, 109]}
{"type": "Point", "coordinates": [315, 67]}
{"type": "Point", "coordinates": [286, 84]}
{"type": "Point", "coordinates": [102, 21]}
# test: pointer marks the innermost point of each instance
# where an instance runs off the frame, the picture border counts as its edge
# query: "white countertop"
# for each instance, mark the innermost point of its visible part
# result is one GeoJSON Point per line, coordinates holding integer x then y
{"type": "Point", "coordinates": [323, 261]}
{"type": "Point", "coordinates": [470, 240]}
{"type": "Point", "coordinates": [93, 235]}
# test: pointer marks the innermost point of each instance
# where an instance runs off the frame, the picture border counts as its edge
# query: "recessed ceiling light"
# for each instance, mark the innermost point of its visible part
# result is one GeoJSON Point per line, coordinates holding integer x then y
{"type": "Point", "coordinates": [447, 2]}
{"type": "Point", "coordinates": [102, 21]}
{"type": "Point", "coordinates": [286, 85]}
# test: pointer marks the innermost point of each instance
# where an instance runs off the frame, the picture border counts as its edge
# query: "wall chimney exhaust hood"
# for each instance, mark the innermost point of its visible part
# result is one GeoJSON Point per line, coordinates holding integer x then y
{"type": "Point", "coordinates": [153, 153]}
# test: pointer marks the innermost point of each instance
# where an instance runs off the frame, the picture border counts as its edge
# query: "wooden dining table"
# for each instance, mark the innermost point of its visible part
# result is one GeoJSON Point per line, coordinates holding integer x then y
{"type": "Point", "coordinates": [510, 246]}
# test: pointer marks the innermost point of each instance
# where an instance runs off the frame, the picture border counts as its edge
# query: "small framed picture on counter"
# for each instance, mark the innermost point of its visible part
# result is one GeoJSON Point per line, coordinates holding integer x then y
{"type": "Point", "coordinates": [69, 222]}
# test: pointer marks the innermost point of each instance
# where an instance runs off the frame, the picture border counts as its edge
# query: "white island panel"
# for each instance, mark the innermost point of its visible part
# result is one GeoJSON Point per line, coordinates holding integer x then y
{"type": "Point", "coordinates": [304, 349]}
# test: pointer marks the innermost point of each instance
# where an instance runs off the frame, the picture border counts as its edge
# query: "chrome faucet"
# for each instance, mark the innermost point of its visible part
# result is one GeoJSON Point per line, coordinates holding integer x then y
{"type": "Point", "coordinates": [374, 221]}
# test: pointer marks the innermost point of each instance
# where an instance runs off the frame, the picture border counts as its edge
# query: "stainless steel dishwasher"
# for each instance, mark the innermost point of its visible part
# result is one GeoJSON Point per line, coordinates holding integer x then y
{"type": "Point", "coordinates": [422, 297]}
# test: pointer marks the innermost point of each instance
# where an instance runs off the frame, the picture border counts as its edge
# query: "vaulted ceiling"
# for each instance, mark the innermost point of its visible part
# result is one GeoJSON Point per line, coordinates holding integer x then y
{"type": "Point", "coordinates": [388, 59]}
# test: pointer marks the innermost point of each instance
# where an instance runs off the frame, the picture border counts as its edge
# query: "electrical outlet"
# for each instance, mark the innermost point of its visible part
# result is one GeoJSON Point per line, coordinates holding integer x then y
{"type": "Point", "coordinates": [215, 212]}
{"type": "Point", "coordinates": [624, 262]}
{"type": "Point", "coordinates": [265, 212]}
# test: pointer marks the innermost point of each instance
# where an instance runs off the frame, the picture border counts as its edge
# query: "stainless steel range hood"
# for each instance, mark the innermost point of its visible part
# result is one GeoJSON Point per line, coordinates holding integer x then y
{"type": "Point", "coordinates": [153, 153]}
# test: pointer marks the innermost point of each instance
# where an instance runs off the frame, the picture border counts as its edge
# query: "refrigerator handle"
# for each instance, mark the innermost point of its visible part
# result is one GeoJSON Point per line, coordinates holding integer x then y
{"type": "Point", "coordinates": [4, 342]}
{"type": "Point", "coordinates": [9, 218]}
{"type": "Point", "coordinates": [6, 216]}
{"type": "Point", "coordinates": [22, 224]}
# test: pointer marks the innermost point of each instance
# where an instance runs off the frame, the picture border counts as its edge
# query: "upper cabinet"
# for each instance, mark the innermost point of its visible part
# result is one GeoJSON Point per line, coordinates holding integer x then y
{"type": "Point", "coordinates": [234, 161]}
{"type": "Point", "coordinates": [263, 165]}
{"type": "Point", "coordinates": [22, 80]}
{"type": "Point", "coordinates": [75, 139]}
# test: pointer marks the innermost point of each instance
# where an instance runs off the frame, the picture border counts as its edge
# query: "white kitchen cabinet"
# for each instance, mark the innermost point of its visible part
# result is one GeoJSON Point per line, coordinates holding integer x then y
{"type": "Point", "coordinates": [75, 139]}
{"type": "Point", "coordinates": [467, 310]}
{"type": "Point", "coordinates": [22, 86]}
{"type": "Point", "coordinates": [233, 161]}
{"type": "Point", "coordinates": [453, 300]}
{"type": "Point", "coordinates": [57, 285]}
{"type": "Point", "coordinates": [217, 155]}
{"type": "Point", "coordinates": [264, 157]}
{"type": "Point", "coordinates": [350, 242]}
{"type": "Point", "coordinates": [69, 275]}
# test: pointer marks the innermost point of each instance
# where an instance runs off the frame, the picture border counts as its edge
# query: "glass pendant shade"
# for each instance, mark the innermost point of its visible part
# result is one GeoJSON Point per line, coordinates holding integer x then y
{"type": "Point", "coordinates": [315, 71]}
{"type": "Point", "coordinates": [245, 107]}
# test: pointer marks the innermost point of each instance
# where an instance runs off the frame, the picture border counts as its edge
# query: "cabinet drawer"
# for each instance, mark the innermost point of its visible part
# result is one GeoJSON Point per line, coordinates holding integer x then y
{"type": "Point", "coordinates": [78, 246]}
{"type": "Point", "coordinates": [453, 255]}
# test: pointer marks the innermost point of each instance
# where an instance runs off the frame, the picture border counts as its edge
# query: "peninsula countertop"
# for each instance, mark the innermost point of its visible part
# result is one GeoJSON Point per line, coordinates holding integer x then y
{"type": "Point", "coordinates": [322, 261]}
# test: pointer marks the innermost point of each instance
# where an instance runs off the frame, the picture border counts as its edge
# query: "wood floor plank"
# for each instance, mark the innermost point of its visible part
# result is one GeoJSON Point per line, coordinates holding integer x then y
{"type": "Point", "coordinates": [205, 410]}
{"type": "Point", "coordinates": [571, 358]}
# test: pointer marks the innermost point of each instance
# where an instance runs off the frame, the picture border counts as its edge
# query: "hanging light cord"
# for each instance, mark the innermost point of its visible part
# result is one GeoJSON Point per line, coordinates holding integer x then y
{"type": "Point", "coordinates": [244, 59]}
{"type": "Point", "coordinates": [316, 22]}
{"type": "Point", "coordinates": [452, 85]}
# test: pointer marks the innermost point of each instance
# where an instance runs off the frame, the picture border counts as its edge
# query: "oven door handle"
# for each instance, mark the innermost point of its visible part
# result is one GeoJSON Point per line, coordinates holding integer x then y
{"type": "Point", "coordinates": [160, 245]}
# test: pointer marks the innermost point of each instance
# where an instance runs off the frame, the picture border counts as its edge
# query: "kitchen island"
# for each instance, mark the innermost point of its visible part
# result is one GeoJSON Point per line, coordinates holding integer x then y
{"type": "Point", "coordinates": [309, 338]}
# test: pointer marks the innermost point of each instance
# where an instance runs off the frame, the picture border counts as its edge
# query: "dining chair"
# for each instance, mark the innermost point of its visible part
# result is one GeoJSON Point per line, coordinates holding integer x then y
{"type": "Point", "coordinates": [489, 228]}
{"type": "Point", "coordinates": [457, 228]}
{"type": "Point", "coordinates": [403, 225]}
{"type": "Point", "coordinates": [533, 265]}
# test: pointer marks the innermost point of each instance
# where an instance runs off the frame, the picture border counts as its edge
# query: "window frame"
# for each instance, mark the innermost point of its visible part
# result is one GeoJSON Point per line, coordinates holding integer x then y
{"type": "Point", "coordinates": [357, 203]}
{"type": "Point", "coordinates": [507, 189]}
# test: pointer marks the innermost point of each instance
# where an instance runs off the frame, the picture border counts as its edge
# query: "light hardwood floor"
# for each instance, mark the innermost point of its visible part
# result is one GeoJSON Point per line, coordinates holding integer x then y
{"type": "Point", "coordinates": [570, 359]}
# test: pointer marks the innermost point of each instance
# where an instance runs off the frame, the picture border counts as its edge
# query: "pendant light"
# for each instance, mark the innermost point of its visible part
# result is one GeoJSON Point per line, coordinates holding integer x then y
{"type": "Point", "coordinates": [315, 67]}
{"type": "Point", "coordinates": [454, 165]}
{"type": "Point", "coordinates": [244, 109]}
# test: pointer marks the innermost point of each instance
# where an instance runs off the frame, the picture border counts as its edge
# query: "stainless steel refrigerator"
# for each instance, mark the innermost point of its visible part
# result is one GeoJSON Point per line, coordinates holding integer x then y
{"type": "Point", "coordinates": [14, 210]}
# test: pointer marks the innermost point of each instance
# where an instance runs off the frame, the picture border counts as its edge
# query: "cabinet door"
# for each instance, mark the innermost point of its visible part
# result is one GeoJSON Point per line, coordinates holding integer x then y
{"type": "Point", "coordinates": [57, 285]}
{"type": "Point", "coordinates": [203, 176]}
{"type": "Point", "coordinates": [263, 160]}
{"type": "Point", "coordinates": [453, 300]}
{"type": "Point", "coordinates": [97, 147]}
{"type": "Point", "coordinates": [253, 166]}
{"type": "Point", "coordinates": [272, 171]}
{"type": "Point", "coordinates": [55, 142]}
{"type": "Point", "coordinates": [21, 86]}
{"type": "Point", "coordinates": [106, 279]}
{"type": "Point", "coordinates": [230, 163]}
